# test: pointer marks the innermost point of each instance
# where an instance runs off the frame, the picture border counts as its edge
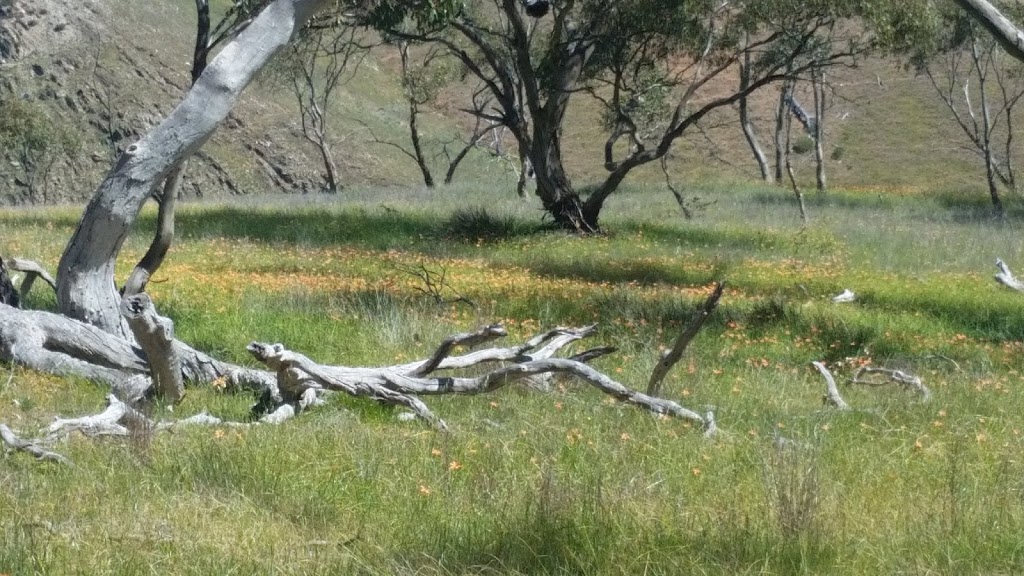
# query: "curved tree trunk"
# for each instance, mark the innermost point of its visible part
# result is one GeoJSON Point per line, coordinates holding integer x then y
{"type": "Point", "coordinates": [85, 288]}
{"type": "Point", "coordinates": [746, 124]}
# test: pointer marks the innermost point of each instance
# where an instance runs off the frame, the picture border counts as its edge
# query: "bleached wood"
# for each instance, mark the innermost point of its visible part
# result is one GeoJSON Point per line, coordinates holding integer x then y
{"type": "Point", "coordinates": [832, 395]}
{"type": "Point", "coordinates": [1009, 36]}
{"type": "Point", "coordinates": [1006, 278]}
{"type": "Point", "coordinates": [85, 287]}
{"type": "Point", "coordinates": [904, 379]}
{"type": "Point", "coordinates": [399, 384]}
{"type": "Point", "coordinates": [31, 270]}
{"type": "Point", "coordinates": [106, 423]}
{"type": "Point", "coordinates": [33, 447]}
{"type": "Point", "coordinates": [155, 335]}
{"type": "Point", "coordinates": [58, 345]}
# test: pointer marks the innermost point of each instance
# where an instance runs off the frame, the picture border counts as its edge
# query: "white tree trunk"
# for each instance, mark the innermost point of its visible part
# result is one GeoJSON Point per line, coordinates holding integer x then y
{"type": "Point", "coordinates": [85, 287]}
{"type": "Point", "coordinates": [1009, 36]}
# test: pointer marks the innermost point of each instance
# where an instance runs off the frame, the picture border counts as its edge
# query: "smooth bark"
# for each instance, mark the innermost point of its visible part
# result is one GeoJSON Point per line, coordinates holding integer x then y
{"type": "Point", "coordinates": [85, 289]}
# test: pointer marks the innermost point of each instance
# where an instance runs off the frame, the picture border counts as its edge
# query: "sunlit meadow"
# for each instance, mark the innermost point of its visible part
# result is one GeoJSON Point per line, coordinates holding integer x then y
{"type": "Point", "coordinates": [570, 481]}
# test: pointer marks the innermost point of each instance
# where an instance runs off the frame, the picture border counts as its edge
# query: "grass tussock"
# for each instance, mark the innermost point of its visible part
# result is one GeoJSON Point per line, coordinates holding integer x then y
{"type": "Point", "coordinates": [566, 482]}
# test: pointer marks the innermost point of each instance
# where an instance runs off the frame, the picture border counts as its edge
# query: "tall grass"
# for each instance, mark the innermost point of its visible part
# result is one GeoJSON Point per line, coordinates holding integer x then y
{"type": "Point", "coordinates": [565, 482]}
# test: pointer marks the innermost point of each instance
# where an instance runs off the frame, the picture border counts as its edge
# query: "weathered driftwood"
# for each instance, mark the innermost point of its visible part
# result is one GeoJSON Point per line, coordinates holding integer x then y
{"type": "Point", "coordinates": [1006, 278]}
{"type": "Point", "coordinates": [31, 270]}
{"type": "Point", "coordinates": [671, 357]}
{"type": "Point", "coordinates": [832, 395]}
{"type": "Point", "coordinates": [54, 344]}
{"type": "Point", "coordinates": [908, 381]}
{"type": "Point", "coordinates": [33, 447]}
{"type": "Point", "coordinates": [85, 287]}
{"type": "Point", "coordinates": [400, 385]}
{"type": "Point", "coordinates": [155, 335]}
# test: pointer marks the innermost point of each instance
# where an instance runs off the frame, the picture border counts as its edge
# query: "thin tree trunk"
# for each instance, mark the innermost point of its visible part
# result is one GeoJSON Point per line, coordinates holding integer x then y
{"type": "Point", "coordinates": [161, 244]}
{"type": "Point", "coordinates": [414, 110]}
{"type": "Point", "coordinates": [818, 83]}
{"type": "Point", "coordinates": [154, 256]}
{"type": "Point", "coordinates": [332, 170]}
{"type": "Point", "coordinates": [986, 132]}
{"type": "Point", "coordinates": [781, 113]}
{"type": "Point", "coordinates": [746, 124]}
{"type": "Point", "coordinates": [792, 176]}
{"type": "Point", "coordinates": [85, 288]}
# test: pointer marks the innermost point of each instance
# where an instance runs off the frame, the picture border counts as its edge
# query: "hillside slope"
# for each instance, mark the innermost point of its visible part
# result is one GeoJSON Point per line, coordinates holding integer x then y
{"type": "Point", "coordinates": [107, 70]}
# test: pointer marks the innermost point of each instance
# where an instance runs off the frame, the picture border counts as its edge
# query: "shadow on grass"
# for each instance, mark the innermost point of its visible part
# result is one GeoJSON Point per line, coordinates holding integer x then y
{"type": "Point", "coordinates": [380, 229]}
{"type": "Point", "coordinates": [625, 271]}
{"type": "Point", "coordinates": [583, 544]}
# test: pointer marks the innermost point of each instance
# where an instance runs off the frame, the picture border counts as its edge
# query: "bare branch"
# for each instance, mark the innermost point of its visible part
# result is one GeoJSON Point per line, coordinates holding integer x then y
{"type": "Point", "coordinates": [832, 395]}
{"type": "Point", "coordinates": [671, 357]}
{"type": "Point", "coordinates": [467, 339]}
{"type": "Point", "coordinates": [31, 446]}
{"type": "Point", "coordinates": [908, 381]}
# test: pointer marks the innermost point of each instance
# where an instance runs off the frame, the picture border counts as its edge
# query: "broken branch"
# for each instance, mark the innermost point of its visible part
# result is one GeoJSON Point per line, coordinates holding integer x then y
{"type": "Point", "coordinates": [908, 381]}
{"type": "Point", "coordinates": [11, 440]}
{"type": "Point", "coordinates": [832, 395]}
{"type": "Point", "coordinates": [671, 357]}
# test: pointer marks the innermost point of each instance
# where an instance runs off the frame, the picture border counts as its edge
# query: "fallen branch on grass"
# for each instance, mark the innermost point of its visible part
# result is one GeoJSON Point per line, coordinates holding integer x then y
{"type": "Point", "coordinates": [1006, 278]}
{"type": "Point", "coordinates": [908, 381]}
{"type": "Point", "coordinates": [31, 270]}
{"type": "Point", "coordinates": [832, 395]}
{"type": "Point", "coordinates": [33, 447]}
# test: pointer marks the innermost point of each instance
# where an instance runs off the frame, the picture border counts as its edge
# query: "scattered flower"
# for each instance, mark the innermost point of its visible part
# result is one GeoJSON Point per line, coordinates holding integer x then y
{"type": "Point", "coordinates": [454, 465]}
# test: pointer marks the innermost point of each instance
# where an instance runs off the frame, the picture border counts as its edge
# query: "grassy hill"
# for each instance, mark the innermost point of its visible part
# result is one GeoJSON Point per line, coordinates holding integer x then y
{"type": "Point", "coordinates": [126, 65]}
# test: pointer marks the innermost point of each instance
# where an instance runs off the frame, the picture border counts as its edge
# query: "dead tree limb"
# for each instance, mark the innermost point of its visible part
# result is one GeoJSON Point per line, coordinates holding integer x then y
{"type": "Point", "coordinates": [832, 395]}
{"type": "Point", "coordinates": [155, 335]}
{"type": "Point", "coordinates": [298, 375]}
{"type": "Point", "coordinates": [671, 357]}
{"type": "Point", "coordinates": [31, 270]}
{"type": "Point", "coordinates": [908, 381]}
{"type": "Point", "coordinates": [468, 339]}
{"type": "Point", "coordinates": [1006, 278]}
{"type": "Point", "coordinates": [11, 440]}
{"type": "Point", "coordinates": [58, 345]}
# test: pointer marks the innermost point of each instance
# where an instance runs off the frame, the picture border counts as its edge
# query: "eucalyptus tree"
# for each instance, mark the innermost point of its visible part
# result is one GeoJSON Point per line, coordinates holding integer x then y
{"type": "Point", "coordinates": [653, 66]}
{"type": "Point", "coordinates": [981, 87]}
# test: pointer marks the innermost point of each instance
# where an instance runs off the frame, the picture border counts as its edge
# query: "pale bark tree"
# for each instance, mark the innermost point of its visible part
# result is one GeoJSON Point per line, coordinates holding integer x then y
{"type": "Point", "coordinates": [745, 122]}
{"type": "Point", "coordinates": [1009, 36]}
{"type": "Point", "coordinates": [85, 288]}
{"type": "Point", "coordinates": [981, 91]}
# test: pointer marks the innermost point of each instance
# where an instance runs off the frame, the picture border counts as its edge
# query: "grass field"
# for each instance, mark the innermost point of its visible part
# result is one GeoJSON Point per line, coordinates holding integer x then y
{"type": "Point", "coordinates": [567, 482]}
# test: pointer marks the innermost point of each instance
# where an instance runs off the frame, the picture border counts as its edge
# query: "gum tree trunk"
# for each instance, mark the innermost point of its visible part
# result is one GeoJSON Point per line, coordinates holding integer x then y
{"type": "Point", "coordinates": [85, 288]}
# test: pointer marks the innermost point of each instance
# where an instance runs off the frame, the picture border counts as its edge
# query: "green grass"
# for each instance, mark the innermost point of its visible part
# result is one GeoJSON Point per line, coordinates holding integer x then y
{"type": "Point", "coordinates": [565, 482]}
